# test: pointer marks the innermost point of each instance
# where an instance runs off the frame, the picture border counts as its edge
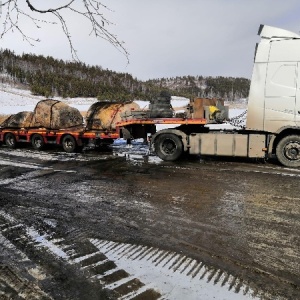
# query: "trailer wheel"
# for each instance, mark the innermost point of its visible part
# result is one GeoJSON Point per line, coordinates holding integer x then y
{"type": "Point", "coordinates": [168, 146]}
{"type": "Point", "coordinates": [288, 151]}
{"type": "Point", "coordinates": [37, 142]}
{"type": "Point", "coordinates": [69, 143]}
{"type": "Point", "coordinates": [10, 140]}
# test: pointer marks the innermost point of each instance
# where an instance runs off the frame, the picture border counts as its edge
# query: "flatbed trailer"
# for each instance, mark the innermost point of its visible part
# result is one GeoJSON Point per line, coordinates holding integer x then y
{"type": "Point", "coordinates": [71, 139]}
{"type": "Point", "coordinates": [155, 121]}
{"type": "Point", "coordinates": [141, 128]}
{"type": "Point", "coordinates": [74, 139]}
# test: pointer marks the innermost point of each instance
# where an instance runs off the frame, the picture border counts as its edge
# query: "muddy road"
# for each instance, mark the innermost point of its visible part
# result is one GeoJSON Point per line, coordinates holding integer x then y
{"type": "Point", "coordinates": [115, 226]}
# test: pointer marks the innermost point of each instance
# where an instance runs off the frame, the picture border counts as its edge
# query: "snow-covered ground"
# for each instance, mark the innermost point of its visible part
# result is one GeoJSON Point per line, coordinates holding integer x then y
{"type": "Point", "coordinates": [13, 100]}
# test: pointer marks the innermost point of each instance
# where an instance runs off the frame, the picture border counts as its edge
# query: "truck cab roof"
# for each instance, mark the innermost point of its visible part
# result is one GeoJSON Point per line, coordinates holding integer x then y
{"type": "Point", "coordinates": [269, 32]}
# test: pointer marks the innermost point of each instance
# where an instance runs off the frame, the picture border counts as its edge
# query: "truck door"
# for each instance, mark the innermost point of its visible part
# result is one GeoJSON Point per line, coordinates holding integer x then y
{"type": "Point", "coordinates": [280, 95]}
{"type": "Point", "coordinates": [297, 108]}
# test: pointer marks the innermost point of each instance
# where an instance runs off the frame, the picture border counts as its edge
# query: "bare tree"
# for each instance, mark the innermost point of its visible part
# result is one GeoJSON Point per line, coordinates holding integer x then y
{"type": "Point", "coordinates": [89, 10]}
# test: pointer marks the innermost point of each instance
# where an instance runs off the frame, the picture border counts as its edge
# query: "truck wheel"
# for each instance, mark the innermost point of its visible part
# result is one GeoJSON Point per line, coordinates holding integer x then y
{"type": "Point", "coordinates": [168, 146]}
{"type": "Point", "coordinates": [69, 143]}
{"type": "Point", "coordinates": [37, 142]}
{"type": "Point", "coordinates": [288, 151]}
{"type": "Point", "coordinates": [10, 140]}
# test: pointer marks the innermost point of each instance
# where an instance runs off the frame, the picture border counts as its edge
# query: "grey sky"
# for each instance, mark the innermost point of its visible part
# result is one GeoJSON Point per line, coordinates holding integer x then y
{"type": "Point", "coordinates": [167, 38]}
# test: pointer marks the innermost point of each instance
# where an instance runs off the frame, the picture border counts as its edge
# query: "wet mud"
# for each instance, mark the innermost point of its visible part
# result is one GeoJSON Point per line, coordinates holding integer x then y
{"type": "Point", "coordinates": [239, 217]}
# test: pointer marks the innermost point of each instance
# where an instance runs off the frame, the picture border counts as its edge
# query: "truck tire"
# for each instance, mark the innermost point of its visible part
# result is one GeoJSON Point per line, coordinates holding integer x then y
{"type": "Point", "coordinates": [288, 151]}
{"type": "Point", "coordinates": [69, 143]}
{"type": "Point", "coordinates": [10, 140]}
{"type": "Point", "coordinates": [37, 142]}
{"type": "Point", "coordinates": [168, 146]}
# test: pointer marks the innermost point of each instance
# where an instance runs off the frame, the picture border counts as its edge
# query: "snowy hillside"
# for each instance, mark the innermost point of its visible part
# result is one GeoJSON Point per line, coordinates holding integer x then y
{"type": "Point", "coordinates": [14, 100]}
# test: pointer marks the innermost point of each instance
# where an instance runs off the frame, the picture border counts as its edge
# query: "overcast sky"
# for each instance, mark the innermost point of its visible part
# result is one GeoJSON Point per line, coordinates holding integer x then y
{"type": "Point", "coordinates": [167, 38]}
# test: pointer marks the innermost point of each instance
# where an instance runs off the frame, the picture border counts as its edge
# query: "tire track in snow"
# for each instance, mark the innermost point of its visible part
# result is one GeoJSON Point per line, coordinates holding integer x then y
{"type": "Point", "coordinates": [136, 271]}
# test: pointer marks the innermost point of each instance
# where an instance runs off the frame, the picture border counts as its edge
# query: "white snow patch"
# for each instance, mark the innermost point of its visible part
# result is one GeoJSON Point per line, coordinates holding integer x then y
{"type": "Point", "coordinates": [14, 100]}
{"type": "Point", "coordinates": [26, 165]}
{"type": "Point", "coordinates": [175, 276]}
{"type": "Point", "coordinates": [43, 242]}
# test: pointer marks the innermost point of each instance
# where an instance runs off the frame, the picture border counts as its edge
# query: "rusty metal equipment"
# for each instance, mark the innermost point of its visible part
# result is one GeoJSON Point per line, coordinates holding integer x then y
{"type": "Point", "coordinates": [213, 110]}
{"type": "Point", "coordinates": [104, 115]}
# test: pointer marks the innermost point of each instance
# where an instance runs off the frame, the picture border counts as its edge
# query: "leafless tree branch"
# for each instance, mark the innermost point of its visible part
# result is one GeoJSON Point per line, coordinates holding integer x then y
{"type": "Point", "coordinates": [49, 9]}
{"type": "Point", "coordinates": [91, 11]}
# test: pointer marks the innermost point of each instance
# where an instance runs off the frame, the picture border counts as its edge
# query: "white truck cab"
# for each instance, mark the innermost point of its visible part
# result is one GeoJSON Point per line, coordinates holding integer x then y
{"type": "Point", "coordinates": [274, 98]}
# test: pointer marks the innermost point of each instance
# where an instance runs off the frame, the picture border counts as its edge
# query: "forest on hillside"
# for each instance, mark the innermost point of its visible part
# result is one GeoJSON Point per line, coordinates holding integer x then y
{"type": "Point", "coordinates": [49, 77]}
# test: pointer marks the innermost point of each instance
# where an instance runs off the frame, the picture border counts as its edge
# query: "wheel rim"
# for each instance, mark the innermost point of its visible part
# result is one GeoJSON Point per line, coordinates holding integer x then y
{"type": "Point", "coordinates": [292, 151]}
{"type": "Point", "coordinates": [10, 140]}
{"type": "Point", "coordinates": [69, 144]}
{"type": "Point", "coordinates": [168, 146]}
{"type": "Point", "coordinates": [38, 142]}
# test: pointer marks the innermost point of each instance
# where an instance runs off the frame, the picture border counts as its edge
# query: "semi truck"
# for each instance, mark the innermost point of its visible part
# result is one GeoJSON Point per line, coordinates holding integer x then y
{"type": "Point", "coordinates": [272, 126]}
